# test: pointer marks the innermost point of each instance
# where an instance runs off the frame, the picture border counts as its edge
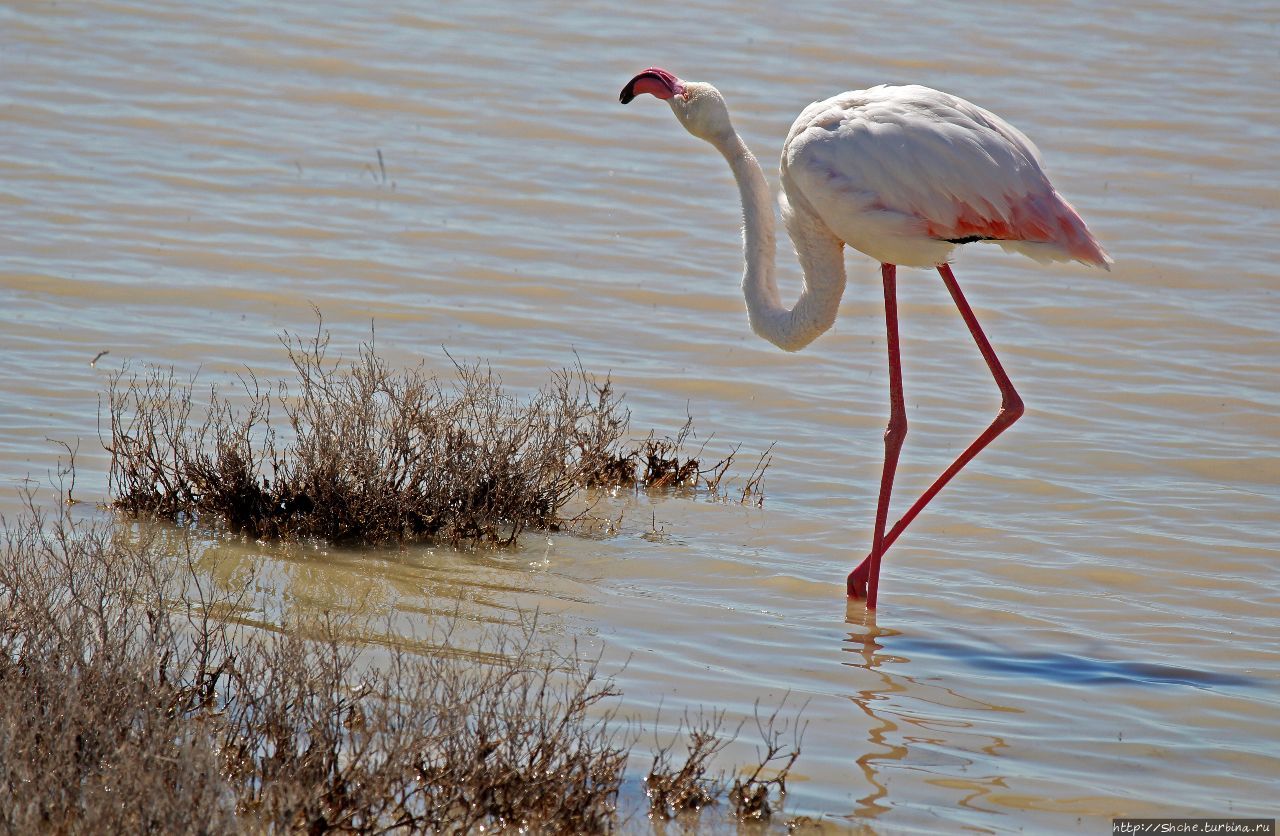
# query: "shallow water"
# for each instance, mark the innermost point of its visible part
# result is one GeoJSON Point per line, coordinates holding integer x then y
{"type": "Point", "coordinates": [1086, 624]}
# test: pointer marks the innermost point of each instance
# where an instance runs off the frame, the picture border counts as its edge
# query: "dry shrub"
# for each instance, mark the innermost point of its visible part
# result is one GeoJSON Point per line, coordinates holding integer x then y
{"type": "Point", "coordinates": [665, 463]}
{"type": "Point", "coordinates": [687, 788]}
{"type": "Point", "coordinates": [439, 743]}
{"type": "Point", "coordinates": [754, 795]}
{"type": "Point", "coordinates": [132, 700]}
{"type": "Point", "coordinates": [678, 791]}
{"type": "Point", "coordinates": [373, 455]}
{"type": "Point", "coordinates": [124, 710]}
{"type": "Point", "coordinates": [101, 693]}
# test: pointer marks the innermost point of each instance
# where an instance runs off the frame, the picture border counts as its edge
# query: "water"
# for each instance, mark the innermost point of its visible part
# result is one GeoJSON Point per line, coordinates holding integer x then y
{"type": "Point", "coordinates": [1084, 625]}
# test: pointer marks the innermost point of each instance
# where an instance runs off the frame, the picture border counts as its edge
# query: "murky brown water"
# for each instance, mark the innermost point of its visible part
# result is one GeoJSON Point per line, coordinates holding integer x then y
{"type": "Point", "coordinates": [1086, 624]}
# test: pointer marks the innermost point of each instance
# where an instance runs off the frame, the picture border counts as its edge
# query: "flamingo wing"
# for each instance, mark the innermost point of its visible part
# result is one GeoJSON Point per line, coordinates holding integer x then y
{"type": "Point", "coordinates": [904, 174]}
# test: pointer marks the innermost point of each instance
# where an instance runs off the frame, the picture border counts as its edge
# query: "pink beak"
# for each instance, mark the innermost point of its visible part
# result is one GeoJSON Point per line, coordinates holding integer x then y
{"type": "Point", "coordinates": [655, 81]}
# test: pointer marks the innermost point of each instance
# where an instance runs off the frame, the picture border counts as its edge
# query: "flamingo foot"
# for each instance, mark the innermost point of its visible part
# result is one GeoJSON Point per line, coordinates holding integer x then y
{"type": "Point", "coordinates": [857, 583]}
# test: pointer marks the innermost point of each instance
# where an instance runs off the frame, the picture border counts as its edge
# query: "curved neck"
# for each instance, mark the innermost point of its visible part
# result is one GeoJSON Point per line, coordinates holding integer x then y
{"type": "Point", "coordinates": [821, 260]}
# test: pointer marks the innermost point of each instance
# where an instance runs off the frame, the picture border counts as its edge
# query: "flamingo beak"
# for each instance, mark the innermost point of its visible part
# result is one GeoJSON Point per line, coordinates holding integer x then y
{"type": "Point", "coordinates": [655, 81]}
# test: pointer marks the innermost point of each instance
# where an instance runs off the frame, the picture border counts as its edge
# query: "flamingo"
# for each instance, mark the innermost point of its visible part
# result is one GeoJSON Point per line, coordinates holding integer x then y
{"type": "Point", "coordinates": [903, 174]}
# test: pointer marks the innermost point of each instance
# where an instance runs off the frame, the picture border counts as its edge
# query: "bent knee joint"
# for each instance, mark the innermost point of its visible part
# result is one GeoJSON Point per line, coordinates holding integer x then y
{"type": "Point", "coordinates": [1011, 410]}
{"type": "Point", "coordinates": [896, 431]}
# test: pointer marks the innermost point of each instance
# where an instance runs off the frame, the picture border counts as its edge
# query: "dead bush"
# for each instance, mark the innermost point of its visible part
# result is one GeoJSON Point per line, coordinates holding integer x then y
{"type": "Point", "coordinates": [131, 700]}
{"type": "Point", "coordinates": [755, 795]}
{"type": "Point", "coordinates": [667, 463]}
{"type": "Point", "coordinates": [102, 694]}
{"type": "Point", "coordinates": [125, 709]}
{"type": "Point", "coordinates": [373, 455]}
{"type": "Point", "coordinates": [683, 790]}
{"type": "Point", "coordinates": [367, 454]}
{"type": "Point", "coordinates": [440, 743]}
{"type": "Point", "coordinates": [676, 790]}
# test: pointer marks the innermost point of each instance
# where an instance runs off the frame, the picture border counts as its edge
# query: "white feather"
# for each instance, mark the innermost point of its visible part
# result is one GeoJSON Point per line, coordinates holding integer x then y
{"type": "Point", "coordinates": [895, 171]}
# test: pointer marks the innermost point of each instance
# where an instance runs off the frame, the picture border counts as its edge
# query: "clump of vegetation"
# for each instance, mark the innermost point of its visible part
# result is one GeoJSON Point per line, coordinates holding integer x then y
{"type": "Point", "coordinates": [665, 463]}
{"type": "Point", "coordinates": [678, 790]}
{"type": "Point", "coordinates": [755, 795]}
{"type": "Point", "coordinates": [131, 700]}
{"type": "Point", "coordinates": [375, 455]}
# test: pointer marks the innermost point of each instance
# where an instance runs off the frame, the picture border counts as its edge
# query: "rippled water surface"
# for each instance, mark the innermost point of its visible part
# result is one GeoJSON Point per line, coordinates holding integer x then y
{"type": "Point", "coordinates": [1086, 624]}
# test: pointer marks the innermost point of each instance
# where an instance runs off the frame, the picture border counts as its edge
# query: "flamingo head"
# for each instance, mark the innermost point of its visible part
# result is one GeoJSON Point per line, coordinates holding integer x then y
{"type": "Point", "coordinates": [698, 106]}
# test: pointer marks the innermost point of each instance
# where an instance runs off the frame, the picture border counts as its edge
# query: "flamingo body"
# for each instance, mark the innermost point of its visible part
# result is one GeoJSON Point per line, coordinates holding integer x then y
{"type": "Point", "coordinates": [905, 174]}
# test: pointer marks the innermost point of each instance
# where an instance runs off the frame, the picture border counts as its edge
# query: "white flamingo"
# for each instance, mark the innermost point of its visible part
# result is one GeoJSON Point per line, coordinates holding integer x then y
{"type": "Point", "coordinates": [903, 174]}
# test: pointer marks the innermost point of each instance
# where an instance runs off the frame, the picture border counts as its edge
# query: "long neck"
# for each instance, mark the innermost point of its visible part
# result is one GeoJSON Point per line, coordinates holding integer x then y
{"type": "Point", "coordinates": [820, 253]}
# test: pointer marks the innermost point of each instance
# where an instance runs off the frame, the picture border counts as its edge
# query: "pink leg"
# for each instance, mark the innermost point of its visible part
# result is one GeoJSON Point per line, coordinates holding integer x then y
{"type": "Point", "coordinates": [864, 580]}
{"type": "Point", "coordinates": [894, 434]}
